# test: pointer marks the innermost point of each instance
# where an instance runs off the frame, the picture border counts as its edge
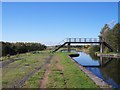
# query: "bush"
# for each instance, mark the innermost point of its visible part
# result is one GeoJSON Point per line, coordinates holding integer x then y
{"type": "Point", "coordinates": [94, 48]}
{"type": "Point", "coordinates": [20, 47]}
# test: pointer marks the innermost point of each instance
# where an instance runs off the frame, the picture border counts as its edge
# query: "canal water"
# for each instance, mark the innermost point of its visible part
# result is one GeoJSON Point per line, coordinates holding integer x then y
{"type": "Point", "coordinates": [107, 69]}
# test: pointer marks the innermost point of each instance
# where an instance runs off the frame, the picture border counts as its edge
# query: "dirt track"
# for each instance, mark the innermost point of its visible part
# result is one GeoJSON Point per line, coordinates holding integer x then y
{"type": "Point", "coordinates": [21, 82]}
{"type": "Point", "coordinates": [5, 63]}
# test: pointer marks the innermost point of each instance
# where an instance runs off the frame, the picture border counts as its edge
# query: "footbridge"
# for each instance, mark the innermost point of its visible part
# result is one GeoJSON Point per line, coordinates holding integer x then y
{"type": "Point", "coordinates": [69, 41]}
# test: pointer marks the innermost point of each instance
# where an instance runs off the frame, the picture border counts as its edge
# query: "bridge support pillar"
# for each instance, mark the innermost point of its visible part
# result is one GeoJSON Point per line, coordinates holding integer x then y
{"type": "Point", "coordinates": [101, 47]}
{"type": "Point", "coordinates": [69, 47]}
{"type": "Point", "coordinates": [101, 61]}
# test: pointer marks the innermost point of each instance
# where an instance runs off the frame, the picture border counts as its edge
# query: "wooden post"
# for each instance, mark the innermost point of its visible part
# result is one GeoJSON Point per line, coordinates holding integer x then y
{"type": "Point", "coordinates": [101, 61]}
{"type": "Point", "coordinates": [101, 47]}
{"type": "Point", "coordinates": [69, 47]}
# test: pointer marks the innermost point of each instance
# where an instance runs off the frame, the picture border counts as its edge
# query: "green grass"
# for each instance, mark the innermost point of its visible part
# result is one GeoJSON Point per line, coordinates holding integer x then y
{"type": "Point", "coordinates": [8, 57]}
{"type": "Point", "coordinates": [4, 58]}
{"type": "Point", "coordinates": [34, 81]}
{"type": "Point", "coordinates": [75, 78]}
{"type": "Point", "coordinates": [66, 49]}
{"type": "Point", "coordinates": [68, 77]}
{"type": "Point", "coordinates": [17, 70]}
{"type": "Point", "coordinates": [55, 79]}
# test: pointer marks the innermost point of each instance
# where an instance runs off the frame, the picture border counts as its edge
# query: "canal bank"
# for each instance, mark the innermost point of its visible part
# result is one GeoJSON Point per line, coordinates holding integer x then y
{"type": "Point", "coordinates": [108, 55]}
{"type": "Point", "coordinates": [106, 70]}
{"type": "Point", "coordinates": [99, 82]}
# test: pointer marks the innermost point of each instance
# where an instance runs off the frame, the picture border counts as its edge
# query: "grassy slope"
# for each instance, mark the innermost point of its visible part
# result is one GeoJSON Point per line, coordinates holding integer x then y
{"type": "Point", "coordinates": [75, 78]}
{"type": "Point", "coordinates": [70, 76]}
{"type": "Point", "coordinates": [34, 81]}
{"type": "Point", "coordinates": [17, 70]}
{"type": "Point", "coordinates": [55, 78]}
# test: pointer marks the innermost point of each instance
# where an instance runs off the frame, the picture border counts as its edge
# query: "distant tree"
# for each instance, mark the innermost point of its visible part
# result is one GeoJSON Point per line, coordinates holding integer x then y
{"type": "Point", "coordinates": [20, 47]}
{"type": "Point", "coordinates": [94, 48]}
{"type": "Point", "coordinates": [7, 49]}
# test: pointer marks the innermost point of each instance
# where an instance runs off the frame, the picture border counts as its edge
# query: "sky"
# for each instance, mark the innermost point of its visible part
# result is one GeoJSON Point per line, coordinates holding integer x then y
{"type": "Point", "coordinates": [60, 0]}
{"type": "Point", "coordinates": [51, 22]}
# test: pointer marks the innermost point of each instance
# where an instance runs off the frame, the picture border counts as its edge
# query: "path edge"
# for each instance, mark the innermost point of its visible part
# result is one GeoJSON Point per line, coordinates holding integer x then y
{"type": "Point", "coordinates": [98, 81]}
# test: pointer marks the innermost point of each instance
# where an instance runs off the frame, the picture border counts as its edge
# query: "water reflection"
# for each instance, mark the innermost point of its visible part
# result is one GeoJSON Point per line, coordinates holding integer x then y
{"type": "Point", "coordinates": [107, 69]}
{"type": "Point", "coordinates": [85, 60]}
{"type": "Point", "coordinates": [104, 61]}
{"type": "Point", "coordinates": [93, 56]}
{"type": "Point", "coordinates": [112, 70]}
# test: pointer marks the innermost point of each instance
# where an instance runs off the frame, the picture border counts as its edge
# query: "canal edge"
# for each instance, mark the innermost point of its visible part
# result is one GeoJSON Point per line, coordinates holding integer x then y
{"type": "Point", "coordinates": [98, 81]}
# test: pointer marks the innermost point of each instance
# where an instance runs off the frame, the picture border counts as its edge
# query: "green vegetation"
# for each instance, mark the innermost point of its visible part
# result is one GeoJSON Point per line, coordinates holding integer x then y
{"type": "Point", "coordinates": [65, 74]}
{"type": "Point", "coordinates": [65, 49]}
{"type": "Point", "coordinates": [55, 78]}
{"type": "Point", "coordinates": [19, 47]}
{"type": "Point", "coordinates": [115, 65]}
{"type": "Point", "coordinates": [112, 37]}
{"type": "Point", "coordinates": [93, 49]}
{"type": "Point", "coordinates": [75, 78]}
{"type": "Point", "coordinates": [34, 81]}
{"type": "Point", "coordinates": [15, 71]}
{"type": "Point", "coordinates": [61, 72]}
{"type": "Point", "coordinates": [5, 58]}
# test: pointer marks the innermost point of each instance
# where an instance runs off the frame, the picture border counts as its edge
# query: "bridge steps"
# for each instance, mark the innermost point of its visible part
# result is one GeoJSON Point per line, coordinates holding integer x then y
{"type": "Point", "coordinates": [59, 47]}
{"type": "Point", "coordinates": [106, 44]}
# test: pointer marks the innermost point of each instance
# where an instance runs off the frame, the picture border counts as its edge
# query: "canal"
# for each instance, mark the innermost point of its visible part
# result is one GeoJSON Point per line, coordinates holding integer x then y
{"type": "Point", "coordinates": [108, 69]}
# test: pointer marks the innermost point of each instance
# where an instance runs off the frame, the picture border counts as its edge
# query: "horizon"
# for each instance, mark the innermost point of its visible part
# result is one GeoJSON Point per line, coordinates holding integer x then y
{"type": "Point", "coordinates": [50, 22]}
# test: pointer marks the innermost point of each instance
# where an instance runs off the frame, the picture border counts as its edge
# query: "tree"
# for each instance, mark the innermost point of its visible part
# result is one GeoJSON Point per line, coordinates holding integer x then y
{"type": "Point", "coordinates": [20, 47]}
{"type": "Point", "coordinates": [112, 36]}
{"type": "Point", "coordinates": [104, 32]}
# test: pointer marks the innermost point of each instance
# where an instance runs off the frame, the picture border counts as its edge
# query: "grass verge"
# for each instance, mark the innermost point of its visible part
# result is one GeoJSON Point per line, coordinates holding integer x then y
{"type": "Point", "coordinates": [34, 81]}
{"type": "Point", "coordinates": [63, 73]}
{"type": "Point", "coordinates": [70, 76]}
{"type": "Point", "coordinates": [15, 71]}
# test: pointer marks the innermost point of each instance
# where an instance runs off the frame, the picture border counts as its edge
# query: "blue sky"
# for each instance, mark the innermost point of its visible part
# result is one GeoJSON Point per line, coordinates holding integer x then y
{"type": "Point", "coordinates": [49, 22]}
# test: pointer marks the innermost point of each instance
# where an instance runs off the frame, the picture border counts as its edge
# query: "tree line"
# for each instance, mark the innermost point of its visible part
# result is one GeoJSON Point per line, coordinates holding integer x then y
{"type": "Point", "coordinates": [20, 47]}
{"type": "Point", "coordinates": [110, 36]}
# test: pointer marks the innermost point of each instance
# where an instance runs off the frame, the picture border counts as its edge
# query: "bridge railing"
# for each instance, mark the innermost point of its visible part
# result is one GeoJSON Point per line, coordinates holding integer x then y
{"type": "Point", "coordinates": [78, 40]}
{"type": "Point", "coordinates": [82, 40]}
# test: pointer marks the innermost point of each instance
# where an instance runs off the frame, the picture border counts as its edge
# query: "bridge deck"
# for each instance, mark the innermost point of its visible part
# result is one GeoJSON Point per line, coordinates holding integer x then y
{"type": "Point", "coordinates": [84, 40]}
{"type": "Point", "coordinates": [68, 41]}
